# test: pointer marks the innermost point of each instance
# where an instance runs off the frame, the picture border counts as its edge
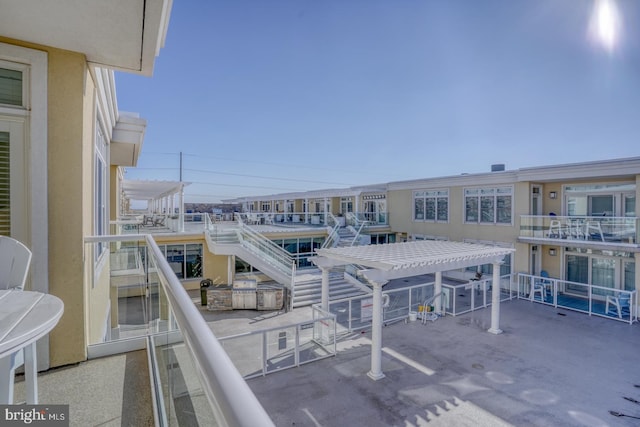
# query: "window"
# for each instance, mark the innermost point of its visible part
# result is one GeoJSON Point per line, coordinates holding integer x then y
{"type": "Point", "coordinates": [609, 269]}
{"type": "Point", "coordinates": [488, 205]}
{"type": "Point", "coordinates": [346, 205]}
{"type": "Point", "coordinates": [431, 205]}
{"type": "Point", "coordinates": [100, 216]}
{"type": "Point", "coordinates": [608, 200]}
{"type": "Point", "coordinates": [266, 207]}
{"type": "Point", "coordinates": [185, 260]}
{"type": "Point", "coordinates": [12, 87]}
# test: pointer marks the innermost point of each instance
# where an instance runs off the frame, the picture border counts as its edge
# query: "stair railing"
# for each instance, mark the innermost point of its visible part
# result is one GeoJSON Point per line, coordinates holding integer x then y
{"type": "Point", "coordinates": [267, 250]}
{"type": "Point", "coordinates": [332, 240]}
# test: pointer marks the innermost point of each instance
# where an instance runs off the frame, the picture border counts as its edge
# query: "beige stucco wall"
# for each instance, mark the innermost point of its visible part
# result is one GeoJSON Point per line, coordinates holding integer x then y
{"type": "Point", "coordinates": [70, 188]}
{"type": "Point", "coordinates": [213, 266]}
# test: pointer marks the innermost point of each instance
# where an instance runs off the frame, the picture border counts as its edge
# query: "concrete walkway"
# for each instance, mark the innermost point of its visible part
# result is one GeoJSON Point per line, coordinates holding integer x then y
{"type": "Point", "coordinates": [550, 367]}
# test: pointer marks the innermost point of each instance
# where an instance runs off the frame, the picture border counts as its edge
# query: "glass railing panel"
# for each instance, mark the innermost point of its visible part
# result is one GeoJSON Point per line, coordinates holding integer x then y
{"type": "Point", "coordinates": [246, 352]}
{"type": "Point", "coordinates": [179, 388]}
{"type": "Point", "coordinates": [588, 228]}
{"type": "Point", "coordinates": [134, 295]}
{"type": "Point", "coordinates": [123, 289]}
{"type": "Point", "coordinates": [281, 349]}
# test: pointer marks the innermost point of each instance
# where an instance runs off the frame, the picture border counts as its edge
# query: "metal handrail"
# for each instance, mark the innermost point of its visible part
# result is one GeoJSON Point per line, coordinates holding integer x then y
{"type": "Point", "coordinates": [261, 246]}
{"type": "Point", "coordinates": [223, 385]}
{"type": "Point", "coordinates": [331, 239]}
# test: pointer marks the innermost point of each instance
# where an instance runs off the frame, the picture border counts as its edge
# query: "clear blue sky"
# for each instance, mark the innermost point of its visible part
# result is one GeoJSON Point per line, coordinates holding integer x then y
{"type": "Point", "coordinates": [266, 97]}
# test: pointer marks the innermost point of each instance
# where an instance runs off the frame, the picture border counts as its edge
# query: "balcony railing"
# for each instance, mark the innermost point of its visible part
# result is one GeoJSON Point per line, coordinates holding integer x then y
{"type": "Point", "coordinates": [581, 228]}
{"type": "Point", "coordinates": [284, 347]}
{"type": "Point", "coordinates": [355, 219]}
{"type": "Point", "coordinates": [590, 299]}
{"type": "Point", "coordinates": [353, 314]}
{"type": "Point", "coordinates": [135, 298]}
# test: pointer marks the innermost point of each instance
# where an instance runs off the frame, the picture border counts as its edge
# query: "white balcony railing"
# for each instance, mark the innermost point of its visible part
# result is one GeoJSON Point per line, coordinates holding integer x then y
{"type": "Point", "coordinates": [581, 228]}
{"type": "Point", "coordinates": [133, 295]}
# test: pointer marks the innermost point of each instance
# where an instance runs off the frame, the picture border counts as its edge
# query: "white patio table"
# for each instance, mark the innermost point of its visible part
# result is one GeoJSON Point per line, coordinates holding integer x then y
{"type": "Point", "coordinates": [25, 317]}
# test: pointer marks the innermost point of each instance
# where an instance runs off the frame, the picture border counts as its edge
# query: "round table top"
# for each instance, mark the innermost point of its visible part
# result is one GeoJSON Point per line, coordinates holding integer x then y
{"type": "Point", "coordinates": [25, 317]}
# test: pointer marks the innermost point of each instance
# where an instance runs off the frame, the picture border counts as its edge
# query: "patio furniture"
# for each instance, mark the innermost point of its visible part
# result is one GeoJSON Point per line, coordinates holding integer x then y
{"type": "Point", "coordinates": [158, 221]}
{"type": "Point", "coordinates": [621, 304]}
{"type": "Point", "coordinates": [555, 229]}
{"type": "Point", "coordinates": [428, 315]}
{"type": "Point", "coordinates": [15, 259]}
{"type": "Point", "coordinates": [597, 230]}
{"type": "Point", "coordinates": [540, 286]}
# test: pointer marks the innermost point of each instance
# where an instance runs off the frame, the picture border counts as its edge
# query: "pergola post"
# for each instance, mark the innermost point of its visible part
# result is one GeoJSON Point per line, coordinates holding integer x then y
{"type": "Point", "coordinates": [376, 333]}
{"type": "Point", "coordinates": [437, 304]}
{"type": "Point", "coordinates": [325, 288]}
{"type": "Point", "coordinates": [495, 300]}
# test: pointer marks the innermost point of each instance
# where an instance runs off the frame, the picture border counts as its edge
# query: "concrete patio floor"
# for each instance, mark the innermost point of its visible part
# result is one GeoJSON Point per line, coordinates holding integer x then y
{"type": "Point", "coordinates": [550, 367]}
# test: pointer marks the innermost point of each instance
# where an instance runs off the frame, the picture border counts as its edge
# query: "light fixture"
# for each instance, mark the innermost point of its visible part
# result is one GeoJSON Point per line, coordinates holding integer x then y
{"type": "Point", "coordinates": [552, 251]}
{"type": "Point", "coordinates": [553, 195]}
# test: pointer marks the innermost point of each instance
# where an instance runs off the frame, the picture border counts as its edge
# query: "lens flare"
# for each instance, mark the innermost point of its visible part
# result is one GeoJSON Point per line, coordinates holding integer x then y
{"type": "Point", "coordinates": [605, 26]}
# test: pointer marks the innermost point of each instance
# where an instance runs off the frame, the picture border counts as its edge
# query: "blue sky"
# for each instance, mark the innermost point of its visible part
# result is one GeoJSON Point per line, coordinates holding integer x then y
{"type": "Point", "coordinates": [266, 97]}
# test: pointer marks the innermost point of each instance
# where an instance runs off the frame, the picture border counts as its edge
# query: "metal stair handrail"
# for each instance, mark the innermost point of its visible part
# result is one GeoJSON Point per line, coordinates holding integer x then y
{"type": "Point", "coordinates": [265, 249]}
{"type": "Point", "coordinates": [332, 240]}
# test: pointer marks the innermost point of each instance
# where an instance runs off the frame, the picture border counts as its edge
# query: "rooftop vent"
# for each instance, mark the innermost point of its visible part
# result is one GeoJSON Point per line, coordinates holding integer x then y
{"type": "Point", "coordinates": [497, 167]}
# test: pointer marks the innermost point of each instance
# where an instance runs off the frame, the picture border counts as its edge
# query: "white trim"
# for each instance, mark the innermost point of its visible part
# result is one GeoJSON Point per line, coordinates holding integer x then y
{"type": "Point", "coordinates": [37, 203]}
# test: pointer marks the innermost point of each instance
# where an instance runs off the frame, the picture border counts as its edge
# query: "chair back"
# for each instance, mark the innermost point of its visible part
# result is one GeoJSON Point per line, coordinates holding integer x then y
{"type": "Point", "coordinates": [624, 300]}
{"type": "Point", "coordinates": [15, 259]}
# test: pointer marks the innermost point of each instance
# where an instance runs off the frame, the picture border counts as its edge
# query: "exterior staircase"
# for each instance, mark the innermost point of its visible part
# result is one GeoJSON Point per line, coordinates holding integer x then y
{"type": "Point", "coordinates": [308, 287]}
{"type": "Point", "coordinates": [305, 285]}
{"type": "Point", "coordinates": [347, 237]}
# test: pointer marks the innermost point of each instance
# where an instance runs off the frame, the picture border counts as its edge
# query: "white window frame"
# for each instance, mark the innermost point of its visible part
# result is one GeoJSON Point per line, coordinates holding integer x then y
{"type": "Point", "coordinates": [488, 192]}
{"type": "Point", "coordinates": [34, 114]}
{"type": "Point", "coordinates": [100, 191]}
{"type": "Point", "coordinates": [435, 195]}
{"type": "Point", "coordinates": [26, 78]}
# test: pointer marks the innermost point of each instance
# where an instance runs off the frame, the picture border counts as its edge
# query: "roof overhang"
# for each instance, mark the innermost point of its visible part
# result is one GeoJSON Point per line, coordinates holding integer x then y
{"type": "Point", "coordinates": [398, 260]}
{"type": "Point", "coordinates": [124, 35]}
{"type": "Point", "coordinates": [127, 139]}
{"type": "Point", "coordinates": [151, 190]}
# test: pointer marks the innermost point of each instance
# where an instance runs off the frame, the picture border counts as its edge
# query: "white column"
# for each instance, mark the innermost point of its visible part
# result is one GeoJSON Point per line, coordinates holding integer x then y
{"type": "Point", "coordinates": [325, 288]}
{"type": "Point", "coordinates": [376, 334]}
{"type": "Point", "coordinates": [495, 300]}
{"type": "Point", "coordinates": [181, 207]}
{"type": "Point", "coordinates": [230, 268]}
{"type": "Point", "coordinates": [437, 304]}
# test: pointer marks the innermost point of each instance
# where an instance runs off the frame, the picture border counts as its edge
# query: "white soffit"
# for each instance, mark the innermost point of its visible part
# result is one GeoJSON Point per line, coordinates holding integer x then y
{"type": "Point", "coordinates": [150, 190]}
{"type": "Point", "coordinates": [406, 259]}
{"type": "Point", "coordinates": [126, 140]}
{"type": "Point", "coordinates": [119, 34]}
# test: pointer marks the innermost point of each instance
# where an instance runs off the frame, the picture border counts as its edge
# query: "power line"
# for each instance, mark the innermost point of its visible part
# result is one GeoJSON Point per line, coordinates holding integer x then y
{"type": "Point", "coordinates": [266, 177]}
{"type": "Point", "coordinates": [244, 186]}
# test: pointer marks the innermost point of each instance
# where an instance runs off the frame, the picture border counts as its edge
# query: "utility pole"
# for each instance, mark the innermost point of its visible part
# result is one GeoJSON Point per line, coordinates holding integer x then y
{"type": "Point", "coordinates": [181, 166]}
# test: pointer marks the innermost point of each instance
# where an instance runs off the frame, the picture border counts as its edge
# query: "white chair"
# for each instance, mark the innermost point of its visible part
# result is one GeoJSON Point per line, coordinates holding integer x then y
{"type": "Point", "coordinates": [15, 259]}
{"type": "Point", "coordinates": [620, 304]}
{"type": "Point", "coordinates": [540, 286]}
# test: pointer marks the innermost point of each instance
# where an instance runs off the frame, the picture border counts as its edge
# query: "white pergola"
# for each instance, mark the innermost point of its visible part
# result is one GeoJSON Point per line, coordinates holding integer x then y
{"type": "Point", "coordinates": [159, 195]}
{"type": "Point", "coordinates": [398, 260]}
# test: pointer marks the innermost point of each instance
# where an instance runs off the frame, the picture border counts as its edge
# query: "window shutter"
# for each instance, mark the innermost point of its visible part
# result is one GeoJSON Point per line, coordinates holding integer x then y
{"type": "Point", "coordinates": [5, 185]}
